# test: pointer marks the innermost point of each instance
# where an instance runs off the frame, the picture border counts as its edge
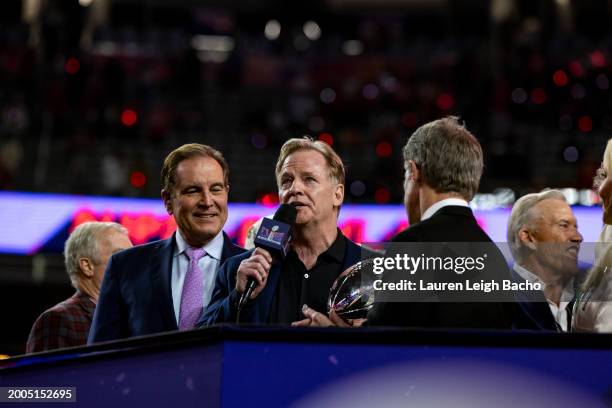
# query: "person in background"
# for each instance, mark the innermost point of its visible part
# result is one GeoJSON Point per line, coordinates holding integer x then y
{"type": "Point", "coordinates": [544, 240]}
{"type": "Point", "coordinates": [86, 254]}
{"type": "Point", "coordinates": [593, 308]}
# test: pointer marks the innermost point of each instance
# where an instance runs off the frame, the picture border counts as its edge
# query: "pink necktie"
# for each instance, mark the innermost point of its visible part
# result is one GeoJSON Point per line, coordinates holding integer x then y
{"type": "Point", "coordinates": [193, 289]}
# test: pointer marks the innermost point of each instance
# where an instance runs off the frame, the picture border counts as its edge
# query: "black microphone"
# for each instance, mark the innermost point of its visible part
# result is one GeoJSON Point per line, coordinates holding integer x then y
{"type": "Point", "coordinates": [273, 236]}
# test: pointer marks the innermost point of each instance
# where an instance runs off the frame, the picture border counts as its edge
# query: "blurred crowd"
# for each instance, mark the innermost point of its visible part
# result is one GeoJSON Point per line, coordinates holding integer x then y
{"type": "Point", "coordinates": [108, 89]}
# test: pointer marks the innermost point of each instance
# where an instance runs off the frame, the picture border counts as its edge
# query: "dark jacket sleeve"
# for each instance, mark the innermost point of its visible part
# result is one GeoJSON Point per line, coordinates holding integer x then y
{"type": "Point", "coordinates": [108, 317]}
{"type": "Point", "coordinates": [223, 305]}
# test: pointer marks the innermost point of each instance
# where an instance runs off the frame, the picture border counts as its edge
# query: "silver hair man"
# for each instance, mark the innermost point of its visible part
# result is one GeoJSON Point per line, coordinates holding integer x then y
{"type": "Point", "coordinates": [86, 253]}
{"type": "Point", "coordinates": [448, 156]}
{"type": "Point", "coordinates": [522, 215]}
{"type": "Point", "coordinates": [84, 243]}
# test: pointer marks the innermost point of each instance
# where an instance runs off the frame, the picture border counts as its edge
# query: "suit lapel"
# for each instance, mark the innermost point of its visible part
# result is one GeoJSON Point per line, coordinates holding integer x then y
{"type": "Point", "coordinates": [229, 249]}
{"type": "Point", "coordinates": [161, 267]}
{"type": "Point", "coordinates": [535, 306]}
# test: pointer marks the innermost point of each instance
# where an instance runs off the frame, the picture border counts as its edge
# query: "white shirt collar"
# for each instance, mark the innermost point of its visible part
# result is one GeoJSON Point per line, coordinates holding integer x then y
{"type": "Point", "coordinates": [214, 248]}
{"type": "Point", "coordinates": [443, 203]}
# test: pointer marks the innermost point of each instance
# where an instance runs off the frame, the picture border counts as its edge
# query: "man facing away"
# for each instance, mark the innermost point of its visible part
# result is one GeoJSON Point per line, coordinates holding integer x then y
{"type": "Point", "coordinates": [443, 164]}
{"type": "Point", "coordinates": [86, 253]}
{"type": "Point", "coordinates": [165, 285]}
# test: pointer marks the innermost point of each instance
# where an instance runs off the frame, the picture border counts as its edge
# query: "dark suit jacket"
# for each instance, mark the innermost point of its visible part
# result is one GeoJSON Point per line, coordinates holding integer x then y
{"type": "Point", "coordinates": [534, 312]}
{"type": "Point", "coordinates": [224, 302]}
{"type": "Point", "coordinates": [64, 325]}
{"type": "Point", "coordinates": [136, 294]}
{"type": "Point", "coordinates": [449, 224]}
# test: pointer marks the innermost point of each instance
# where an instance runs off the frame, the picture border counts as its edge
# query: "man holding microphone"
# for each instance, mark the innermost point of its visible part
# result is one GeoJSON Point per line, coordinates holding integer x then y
{"type": "Point", "coordinates": [310, 177]}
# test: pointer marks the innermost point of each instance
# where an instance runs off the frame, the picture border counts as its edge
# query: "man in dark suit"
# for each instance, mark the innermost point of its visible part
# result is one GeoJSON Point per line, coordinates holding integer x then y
{"type": "Point", "coordinates": [86, 254]}
{"type": "Point", "coordinates": [310, 176]}
{"type": "Point", "coordinates": [544, 240]}
{"type": "Point", "coordinates": [165, 285]}
{"type": "Point", "coordinates": [443, 164]}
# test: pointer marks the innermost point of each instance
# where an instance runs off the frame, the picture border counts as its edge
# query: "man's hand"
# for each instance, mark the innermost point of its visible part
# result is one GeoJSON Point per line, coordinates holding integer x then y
{"type": "Point", "coordinates": [316, 319]}
{"type": "Point", "coordinates": [257, 266]}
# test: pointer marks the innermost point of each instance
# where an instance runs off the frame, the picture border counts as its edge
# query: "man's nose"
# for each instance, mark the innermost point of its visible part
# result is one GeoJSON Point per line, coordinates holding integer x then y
{"type": "Point", "coordinates": [296, 187]}
{"type": "Point", "coordinates": [206, 199]}
{"type": "Point", "coordinates": [577, 236]}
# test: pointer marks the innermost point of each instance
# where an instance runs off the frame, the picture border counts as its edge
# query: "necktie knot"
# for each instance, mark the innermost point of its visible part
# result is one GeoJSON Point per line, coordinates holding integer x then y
{"type": "Point", "coordinates": [195, 254]}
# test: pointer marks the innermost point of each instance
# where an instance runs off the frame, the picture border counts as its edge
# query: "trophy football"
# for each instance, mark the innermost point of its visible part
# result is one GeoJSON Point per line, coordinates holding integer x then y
{"type": "Point", "coordinates": [352, 294]}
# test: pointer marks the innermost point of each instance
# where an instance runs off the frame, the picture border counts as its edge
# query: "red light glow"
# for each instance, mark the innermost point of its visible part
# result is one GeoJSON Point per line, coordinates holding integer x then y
{"type": "Point", "coordinates": [585, 124]}
{"type": "Point", "coordinates": [560, 78]}
{"type": "Point", "coordinates": [269, 199]}
{"type": "Point", "coordinates": [382, 196]}
{"type": "Point", "coordinates": [384, 149]}
{"type": "Point", "coordinates": [138, 179]}
{"type": "Point", "coordinates": [72, 66]}
{"type": "Point", "coordinates": [538, 96]}
{"type": "Point", "coordinates": [445, 101]}
{"type": "Point", "coordinates": [353, 229]}
{"type": "Point", "coordinates": [576, 69]}
{"type": "Point", "coordinates": [597, 59]}
{"type": "Point", "coordinates": [327, 138]}
{"type": "Point", "coordinates": [129, 117]}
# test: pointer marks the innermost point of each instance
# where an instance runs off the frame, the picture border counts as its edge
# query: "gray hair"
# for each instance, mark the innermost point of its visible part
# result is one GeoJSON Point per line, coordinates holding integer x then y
{"type": "Point", "coordinates": [448, 156]}
{"type": "Point", "coordinates": [337, 172]}
{"type": "Point", "coordinates": [84, 242]}
{"type": "Point", "coordinates": [522, 215]}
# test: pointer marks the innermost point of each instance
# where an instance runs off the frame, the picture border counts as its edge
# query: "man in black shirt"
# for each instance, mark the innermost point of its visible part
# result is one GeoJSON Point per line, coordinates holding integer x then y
{"type": "Point", "coordinates": [310, 176]}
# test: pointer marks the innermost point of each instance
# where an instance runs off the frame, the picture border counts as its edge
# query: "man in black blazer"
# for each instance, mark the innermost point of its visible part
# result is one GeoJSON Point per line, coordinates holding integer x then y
{"type": "Point", "coordinates": [165, 285]}
{"type": "Point", "coordinates": [443, 164]}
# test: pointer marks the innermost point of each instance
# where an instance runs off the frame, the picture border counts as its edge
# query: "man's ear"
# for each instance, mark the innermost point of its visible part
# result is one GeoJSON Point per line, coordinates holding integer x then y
{"type": "Point", "coordinates": [338, 195]}
{"type": "Point", "coordinates": [415, 172]}
{"type": "Point", "coordinates": [166, 197]}
{"type": "Point", "coordinates": [87, 267]}
{"type": "Point", "coordinates": [527, 239]}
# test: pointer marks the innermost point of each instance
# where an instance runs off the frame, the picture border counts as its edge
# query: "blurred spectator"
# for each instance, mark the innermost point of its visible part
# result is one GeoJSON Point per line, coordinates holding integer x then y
{"type": "Point", "coordinates": [86, 254]}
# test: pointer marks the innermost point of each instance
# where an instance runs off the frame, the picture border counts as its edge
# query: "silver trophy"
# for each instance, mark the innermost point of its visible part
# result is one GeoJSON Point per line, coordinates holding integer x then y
{"type": "Point", "coordinates": [352, 294]}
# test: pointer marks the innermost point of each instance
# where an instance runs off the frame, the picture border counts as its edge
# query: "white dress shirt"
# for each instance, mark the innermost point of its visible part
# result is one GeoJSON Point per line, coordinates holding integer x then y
{"type": "Point", "coordinates": [209, 265]}
{"type": "Point", "coordinates": [559, 311]}
{"type": "Point", "coordinates": [443, 203]}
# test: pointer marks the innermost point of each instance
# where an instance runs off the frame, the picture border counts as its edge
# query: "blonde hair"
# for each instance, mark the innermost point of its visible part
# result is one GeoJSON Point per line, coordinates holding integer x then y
{"type": "Point", "coordinates": [603, 250]}
{"type": "Point", "coordinates": [334, 163]}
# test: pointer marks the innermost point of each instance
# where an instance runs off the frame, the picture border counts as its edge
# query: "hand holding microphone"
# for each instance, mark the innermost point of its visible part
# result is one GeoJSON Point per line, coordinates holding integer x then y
{"type": "Point", "coordinates": [254, 269]}
{"type": "Point", "coordinates": [271, 242]}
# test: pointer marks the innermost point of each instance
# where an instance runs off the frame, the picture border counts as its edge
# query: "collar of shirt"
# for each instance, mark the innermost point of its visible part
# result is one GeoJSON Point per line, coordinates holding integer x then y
{"type": "Point", "coordinates": [335, 251]}
{"type": "Point", "coordinates": [568, 290]}
{"type": "Point", "coordinates": [337, 248]}
{"type": "Point", "coordinates": [443, 203]}
{"type": "Point", "coordinates": [214, 248]}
